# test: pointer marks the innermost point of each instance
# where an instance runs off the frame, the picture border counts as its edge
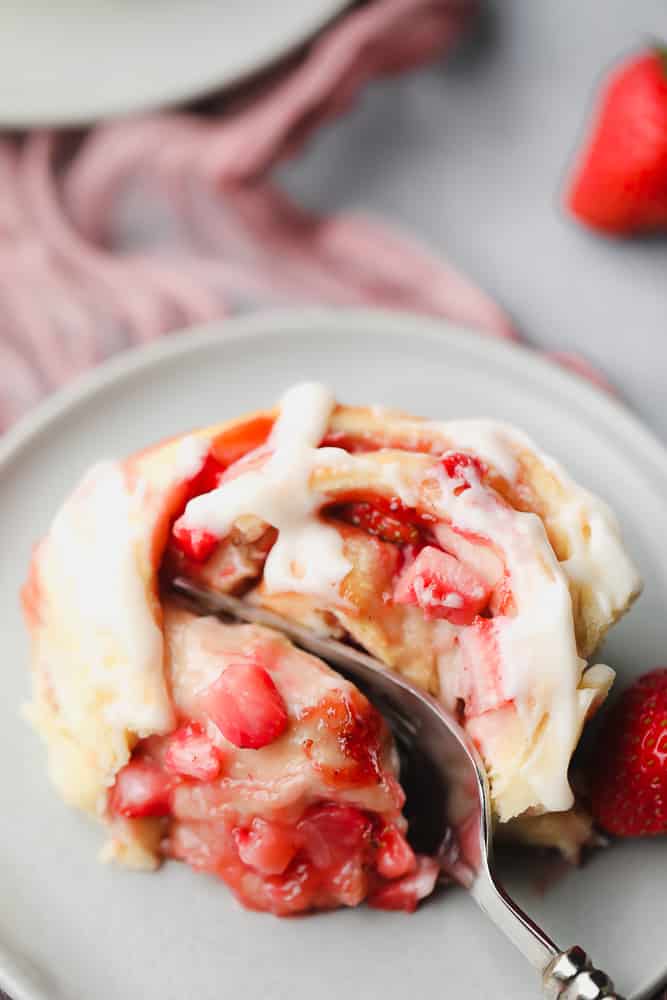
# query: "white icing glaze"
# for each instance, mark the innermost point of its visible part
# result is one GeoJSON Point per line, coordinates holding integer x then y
{"type": "Point", "coordinates": [308, 555]}
{"type": "Point", "coordinates": [487, 439]}
{"type": "Point", "coordinates": [90, 565]}
{"type": "Point", "coordinates": [539, 665]}
{"type": "Point", "coordinates": [190, 454]}
{"type": "Point", "coordinates": [597, 560]}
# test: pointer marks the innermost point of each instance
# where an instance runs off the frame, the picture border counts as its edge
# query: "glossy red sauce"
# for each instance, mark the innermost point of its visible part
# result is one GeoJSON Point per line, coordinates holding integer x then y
{"type": "Point", "coordinates": [333, 854]}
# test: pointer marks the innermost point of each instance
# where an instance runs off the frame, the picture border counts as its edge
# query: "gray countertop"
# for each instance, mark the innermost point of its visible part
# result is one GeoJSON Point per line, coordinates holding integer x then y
{"type": "Point", "coordinates": [470, 155]}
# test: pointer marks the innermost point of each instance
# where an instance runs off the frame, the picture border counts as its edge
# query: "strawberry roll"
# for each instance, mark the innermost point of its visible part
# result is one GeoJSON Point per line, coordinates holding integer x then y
{"type": "Point", "coordinates": [455, 553]}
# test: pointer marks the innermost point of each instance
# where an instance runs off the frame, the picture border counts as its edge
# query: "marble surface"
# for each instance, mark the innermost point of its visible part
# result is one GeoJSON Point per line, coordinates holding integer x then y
{"type": "Point", "coordinates": [471, 155]}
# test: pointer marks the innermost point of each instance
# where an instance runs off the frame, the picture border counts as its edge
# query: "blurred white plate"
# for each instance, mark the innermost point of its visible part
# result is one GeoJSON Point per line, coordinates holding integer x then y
{"type": "Point", "coordinates": [94, 931]}
{"type": "Point", "coordinates": [70, 61]}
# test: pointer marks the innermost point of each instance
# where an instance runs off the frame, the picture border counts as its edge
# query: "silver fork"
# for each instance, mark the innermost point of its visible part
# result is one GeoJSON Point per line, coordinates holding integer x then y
{"type": "Point", "coordinates": [459, 823]}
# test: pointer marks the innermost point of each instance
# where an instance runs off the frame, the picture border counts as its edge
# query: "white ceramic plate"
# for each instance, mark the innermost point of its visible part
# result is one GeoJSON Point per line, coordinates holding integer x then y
{"type": "Point", "coordinates": [93, 931]}
{"type": "Point", "coordinates": [70, 61]}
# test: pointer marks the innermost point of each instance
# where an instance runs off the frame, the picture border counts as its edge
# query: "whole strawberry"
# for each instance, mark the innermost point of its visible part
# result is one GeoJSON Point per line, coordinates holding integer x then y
{"type": "Point", "coordinates": [629, 776]}
{"type": "Point", "coordinates": [620, 183]}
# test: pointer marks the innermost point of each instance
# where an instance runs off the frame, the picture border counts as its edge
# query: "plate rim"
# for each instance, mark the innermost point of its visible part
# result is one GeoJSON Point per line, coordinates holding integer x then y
{"type": "Point", "coordinates": [215, 81]}
{"type": "Point", "coordinates": [492, 352]}
{"type": "Point", "coordinates": [131, 361]}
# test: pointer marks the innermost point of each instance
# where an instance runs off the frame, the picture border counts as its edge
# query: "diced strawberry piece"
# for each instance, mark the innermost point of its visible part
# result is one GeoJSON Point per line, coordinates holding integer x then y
{"type": "Point", "coordinates": [405, 893]}
{"type": "Point", "coordinates": [265, 846]}
{"type": "Point", "coordinates": [330, 833]}
{"type": "Point", "coordinates": [246, 706]}
{"type": "Point", "coordinates": [389, 521]}
{"type": "Point", "coordinates": [141, 789]}
{"type": "Point", "coordinates": [443, 587]}
{"type": "Point", "coordinates": [348, 883]}
{"type": "Point", "coordinates": [482, 688]}
{"type": "Point", "coordinates": [291, 892]}
{"type": "Point", "coordinates": [205, 845]}
{"type": "Point", "coordinates": [207, 478]}
{"type": "Point", "coordinates": [196, 543]}
{"type": "Point", "coordinates": [394, 857]}
{"type": "Point", "coordinates": [407, 555]}
{"type": "Point", "coordinates": [191, 753]}
{"type": "Point", "coordinates": [467, 468]}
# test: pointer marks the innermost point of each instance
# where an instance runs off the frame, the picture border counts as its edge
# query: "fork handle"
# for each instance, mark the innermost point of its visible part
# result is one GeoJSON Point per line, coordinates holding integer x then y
{"type": "Point", "coordinates": [566, 975]}
{"type": "Point", "coordinates": [570, 976]}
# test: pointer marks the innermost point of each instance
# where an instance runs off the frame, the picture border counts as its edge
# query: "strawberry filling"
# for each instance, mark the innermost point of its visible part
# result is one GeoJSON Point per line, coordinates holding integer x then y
{"type": "Point", "coordinates": [442, 587]}
{"type": "Point", "coordinates": [332, 854]}
{"type": "Point", "coordinates": [387, 518]}
{"type": "Point", "coordinates": [378, 518]}
{"type": "Point", "coordinates": [295, 810]}
{"type": "Point", "coordinates": [227, 450]}
{"type": "Point", "coordinates": [266, 846]}
{"type": "Point", "coordinates": [357, 728]}
{"type": "Point", "coordinates": [195, 543]}
{"type": "Point", "coordinates": [246, 706]}
{"type": "Point", "coordinates": [141, 789]}
{"type": "Point", "coordinates": [331, 834]}
{"type": "Point", "coordinates": [434, 580]}
{"type": "Point", "coordinates": [405, 893]}
{"type": "Point", "coordinates": [190, 754]}
{"type": "Point", "coordinates": [395, 857]}
{"type": "Point", "coordinates": [235, 442]}
{"type": "Point", "coordinates": [464, 467]}
{"type": "Point", "coordinates": [208, 477]}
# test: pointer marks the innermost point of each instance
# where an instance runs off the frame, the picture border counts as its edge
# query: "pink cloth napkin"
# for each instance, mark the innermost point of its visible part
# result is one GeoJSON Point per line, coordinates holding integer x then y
{"type": "Point", "coordinates": [71, 295]}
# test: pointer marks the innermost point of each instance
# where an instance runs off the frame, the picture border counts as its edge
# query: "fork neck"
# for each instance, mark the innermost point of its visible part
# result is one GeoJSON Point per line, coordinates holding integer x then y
{"type": "Point", "coordinates": [568, 973]}
{"type": "Point", "coordinates": [530, 939]}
